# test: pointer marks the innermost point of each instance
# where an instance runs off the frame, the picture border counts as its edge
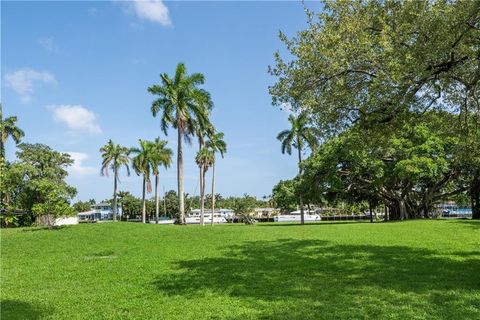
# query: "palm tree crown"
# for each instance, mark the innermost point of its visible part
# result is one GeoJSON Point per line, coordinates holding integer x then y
{"type": "Point", "coordinates": [205, 158]}
{"type": "Point", "coordinates": [114, 157]}
{"type": "Point", "coordinates": [217, 143]}
{"type": "Point", "coordinates": [299, 135]}
{"type": "Point", "coordinates": [160, 155]}
{"type": "Point", "coordinates": [181, 102]}
{"type": "Point", "coordinates": [8, 129]}
{"type": "Point", "coordinates": [141, 162]}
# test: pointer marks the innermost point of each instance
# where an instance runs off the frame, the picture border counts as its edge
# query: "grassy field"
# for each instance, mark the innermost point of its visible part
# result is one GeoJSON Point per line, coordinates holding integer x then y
{"type": "Point", "coordinates": [405, 270]}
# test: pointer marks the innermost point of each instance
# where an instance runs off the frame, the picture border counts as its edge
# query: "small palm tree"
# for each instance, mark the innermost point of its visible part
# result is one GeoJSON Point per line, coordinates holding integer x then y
{"type": "Point", "coordinates": [299, 136]}
{"type": "Point", "coordinates": [8, 129]}
{"type": "Point", "coordinates": [141, 163]}
{"type": "Point", "coordinates": [161, 156]}
{"type": "Point", "coordinates": [204, 160]}
{"type": "Point", "coordinates": [182, 104]}
{"type": "Point", "coordinates": [216, 144]}
{"type": "Point", "coordinates": [114, 157]}
{"type": "Point", "coordinates": [202, 130]}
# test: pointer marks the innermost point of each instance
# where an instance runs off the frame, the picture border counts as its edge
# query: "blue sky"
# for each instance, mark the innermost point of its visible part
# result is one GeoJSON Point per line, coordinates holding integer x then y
{"type": "Point", "coordinates": [76, 74]}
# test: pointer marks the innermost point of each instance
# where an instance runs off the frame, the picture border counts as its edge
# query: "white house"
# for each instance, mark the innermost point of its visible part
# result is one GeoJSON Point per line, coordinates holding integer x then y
{"type": "Point", "coordinates": [100, 212]}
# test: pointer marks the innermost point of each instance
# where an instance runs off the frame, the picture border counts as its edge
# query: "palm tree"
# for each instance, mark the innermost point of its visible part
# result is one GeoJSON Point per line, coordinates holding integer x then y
{"type": "Point", "coordinates": [202, 129]}
{"type": "Point", "coordinates": [114, 157]}
{"type": "Point", "coordinates": [216, 144]}
{"type": "Point", "coordinates": [182, 104]}
{"type": "Point", "coordinates": [161, 156]}
{"type": "Point", "coordinates": [204, 160]}
{"type": "Point", "coordinates": [141, 163]}
{"type": "Point", "coordinates": [299, 136]}
{"type": "Point", "coordinates": [8, 129]}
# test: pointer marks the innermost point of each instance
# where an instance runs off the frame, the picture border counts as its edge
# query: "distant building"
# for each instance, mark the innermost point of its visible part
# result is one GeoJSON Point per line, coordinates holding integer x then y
{"type": "Point", "coordinates": [100, 212]}
{"type": "Point", "coordinates": [452, 210]}
{"type": "Point", "coordinates": [265, 212]}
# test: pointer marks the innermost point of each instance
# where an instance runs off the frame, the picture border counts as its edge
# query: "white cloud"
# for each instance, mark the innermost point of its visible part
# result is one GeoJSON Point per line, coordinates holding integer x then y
{"type": "Point", "coordinates": [152, 10]}
{"type": "Point", "coordinates": [21, 81]}
{"type": "Point", "coordinates": [48, 43]}
{"type": "Point", "coordinates": [77, 118]}
{"type": "Point", "coordinates": [77, 167]}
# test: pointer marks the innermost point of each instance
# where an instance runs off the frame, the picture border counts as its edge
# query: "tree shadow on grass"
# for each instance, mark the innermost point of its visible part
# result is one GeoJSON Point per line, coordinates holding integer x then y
{"type": "Point", "coordinates": [43, 228]}
{"type": "Point", "coordinates": [312, 279]}
{"type": "Point", "coordinates": [475, 224]}
{"type": "Point", "coordinates": [20, 310]}
{"type": "Point", "coordinates": [318, 223]}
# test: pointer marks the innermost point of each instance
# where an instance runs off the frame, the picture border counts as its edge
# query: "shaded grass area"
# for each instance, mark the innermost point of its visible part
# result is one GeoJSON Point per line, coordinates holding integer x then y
{"type": "Point", "coordinates": [408, 270]}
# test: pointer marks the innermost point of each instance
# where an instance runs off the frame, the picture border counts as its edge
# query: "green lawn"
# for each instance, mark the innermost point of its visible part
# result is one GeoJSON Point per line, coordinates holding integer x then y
{"type": "Point", "coordinates": [404, 270]}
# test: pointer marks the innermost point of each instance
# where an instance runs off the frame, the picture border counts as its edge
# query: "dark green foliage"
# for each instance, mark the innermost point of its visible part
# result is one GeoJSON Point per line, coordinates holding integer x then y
{"type": "Point", "coordinates": [35, 183]}
{"type": "Point", "coordinates": [284, 194]}
{"type": "Point", "coordinates": [82, 206]}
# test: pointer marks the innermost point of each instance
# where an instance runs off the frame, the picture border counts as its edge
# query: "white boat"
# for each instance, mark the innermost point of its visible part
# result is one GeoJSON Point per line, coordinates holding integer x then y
{"type": "Point", "coordinates": [220, 216]}
{"type": "Point", "coordinates": [207, 219]}
{"type": "Point", "coordinates": [163, 221]}
{"type": "Point", "coordinates": [297, 218]}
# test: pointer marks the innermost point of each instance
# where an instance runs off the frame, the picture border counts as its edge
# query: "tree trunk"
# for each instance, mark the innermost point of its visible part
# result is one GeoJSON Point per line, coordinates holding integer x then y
{"type": "Point", "coordinates": [2, 151]}
{"type": "Point", "coordinates": [302, 212]}
{"type": "Point", "coordinates": [144, 211]}
{"type": "Point", "coordinates": [371, 211]}
{"type": "Point", "coordinates": [213, 191]}
{"type": "Point", "coordinates": [202, 195]}
{"type": "Point", "coordinates": [115, 179]}
{"type": "Point", "coordinates": [181, 197]}
{"type": "Point", "coordinates": [402, 209]}
{"type": "Point", "coordinates": [475, 196]}
{"type": "Point", "coordinates": [157, 208]}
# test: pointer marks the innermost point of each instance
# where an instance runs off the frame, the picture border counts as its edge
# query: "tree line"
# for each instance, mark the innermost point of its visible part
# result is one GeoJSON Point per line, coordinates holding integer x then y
{"type": "Point", "coordinates": [169, 205]}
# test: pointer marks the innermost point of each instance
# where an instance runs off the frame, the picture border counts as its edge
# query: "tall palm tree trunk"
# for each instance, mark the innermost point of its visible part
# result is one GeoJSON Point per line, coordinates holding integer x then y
{"type": "Point", "coordinates": [115, 179]}
{"type": "Point", "coordinates": [213, 190]}
{"type": "Point", "coordinates": [202, 185]}
{"type": "Point", "coordinates": [302, 213]}
{"type": "Point", "coordinates": [156, 199]}
{"type": "Point", "coordinates": [144, 209]}
{"type": "Point", "coordinates": [2, 150]}
{"type": "Point", "coordinates": [202, 195]}
{"type": "Point", "coordinates": [181, 199]}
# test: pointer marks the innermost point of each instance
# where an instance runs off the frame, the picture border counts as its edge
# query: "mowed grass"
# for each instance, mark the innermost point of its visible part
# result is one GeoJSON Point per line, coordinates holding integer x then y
{"type": "Point", "coordinates": [403, 270]}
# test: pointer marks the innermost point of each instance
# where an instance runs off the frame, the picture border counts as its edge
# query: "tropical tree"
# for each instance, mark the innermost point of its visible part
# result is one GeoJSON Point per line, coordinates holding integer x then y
{"type": "Point", "coordinates": [141, 163]}
{"type": "Point", "coordinates": [299, 136]}
{"type": "Point", "coordinates": [204, 159]}
{"type": "Point", "coordinates": [114, 157]}
{"type": "Point", "coordinates": [35, 181]}
{"type": "Point", "coordinates": [216, 144]}
{"type": "Point", "coordinates": [8, 129]}
{"type": "Point", "coordinates": [202, 130]}
{"type": "Point", "coordinates": [182, 104]}
{"type": "Point", "coordinates": [160, 156]}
